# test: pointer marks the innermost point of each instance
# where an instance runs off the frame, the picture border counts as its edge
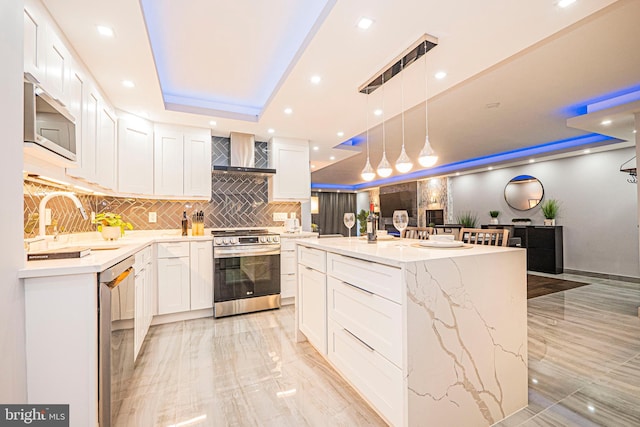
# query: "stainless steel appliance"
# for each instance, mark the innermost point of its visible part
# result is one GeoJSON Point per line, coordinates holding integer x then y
{"type": "Point", "coordinates": [115, 338]}
{"type": "Point", "coordinates": [48, 123]}
{"type": "Point", "coordinates": [246, 271]}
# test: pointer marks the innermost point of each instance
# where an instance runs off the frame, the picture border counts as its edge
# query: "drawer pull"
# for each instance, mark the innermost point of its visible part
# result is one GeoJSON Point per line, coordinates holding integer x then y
{"type": "Point", "coordinates": [359, 340]}
{"type": "Point", "coordinates": [359, 288]}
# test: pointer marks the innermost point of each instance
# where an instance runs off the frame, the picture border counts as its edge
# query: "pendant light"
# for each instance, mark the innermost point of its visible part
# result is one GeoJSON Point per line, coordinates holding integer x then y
{"type": "Point", "coordinates": [384, 167]}
{"type": "Point", "coordinates": [404, 163]}
{"type": "Point", "coordinates": [427, 156]}
{"type": "Point", "coordinates": [367, 173]}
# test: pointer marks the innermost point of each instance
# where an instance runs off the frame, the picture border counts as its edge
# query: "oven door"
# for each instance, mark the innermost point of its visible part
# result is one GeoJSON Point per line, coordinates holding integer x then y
{"type": "Point", "coordinates": [244, 273]}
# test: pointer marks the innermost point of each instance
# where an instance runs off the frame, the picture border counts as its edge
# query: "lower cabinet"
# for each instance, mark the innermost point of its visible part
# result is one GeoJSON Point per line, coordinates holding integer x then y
{"type": "Point", "coordinates": [185, 276]}
{"type": "Point", "coordinates": [174, 294]}
{"type": "Point", "coordinates": [143, 296]}
{"type": "Point", "coordinates": [201, 266]}
{"type": "Point", "coordinates": [312, 299]}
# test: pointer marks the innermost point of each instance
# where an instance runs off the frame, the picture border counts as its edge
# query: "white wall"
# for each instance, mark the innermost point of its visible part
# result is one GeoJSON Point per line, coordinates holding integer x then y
{"type": "Point", "coordinates": [12, 340]}
{"type": "Point", "coordinates": [598, 208]}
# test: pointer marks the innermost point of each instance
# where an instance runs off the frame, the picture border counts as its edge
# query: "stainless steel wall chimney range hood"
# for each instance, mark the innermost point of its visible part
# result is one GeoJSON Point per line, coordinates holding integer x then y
{"type": "Point", "coordinates": [242, 156]}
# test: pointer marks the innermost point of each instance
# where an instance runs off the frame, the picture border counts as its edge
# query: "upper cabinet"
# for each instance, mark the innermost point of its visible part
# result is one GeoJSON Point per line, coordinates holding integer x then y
{"type": "Point", "coordinates": [292, 181]}
{"type": "Point", "coordinates": [135, 155]}
{"type": "Point", "coordinates": [34, 29]}
{"type": "Point", "coordinates": [182, 161]}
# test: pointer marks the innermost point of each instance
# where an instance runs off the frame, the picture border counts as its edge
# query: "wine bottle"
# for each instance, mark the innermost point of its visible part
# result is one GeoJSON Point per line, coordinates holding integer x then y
{"type": "Point", "coordinates": [372, 225]}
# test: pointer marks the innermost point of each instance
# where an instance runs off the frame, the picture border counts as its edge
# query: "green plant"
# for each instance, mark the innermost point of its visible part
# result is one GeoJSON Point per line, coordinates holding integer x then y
{"type": "Point", "coordinates": [467, 219]}
{"type": "Point", "coordinates": [362, 219]}
{"type": "Point", "coordinates": [110, 219]}
{"type": "Point", "coordinates": [550, 208]}
{"type": "Point", "coordinates": [432, 224]}
{"type": "Point", "coordinates": [494, 214]}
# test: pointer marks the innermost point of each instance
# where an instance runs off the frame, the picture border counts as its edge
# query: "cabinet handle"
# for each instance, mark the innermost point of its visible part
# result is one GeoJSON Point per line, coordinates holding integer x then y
{"type": "Point", "coordinates": [309, 268]}
{"type": "Point", "coordinates": [359, 288]}
{"type": "Point", "coordinates": [359, 340]}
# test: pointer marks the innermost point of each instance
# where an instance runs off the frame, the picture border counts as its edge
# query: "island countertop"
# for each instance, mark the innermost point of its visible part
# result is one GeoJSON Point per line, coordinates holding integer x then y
{"type": "Point", "coordinates": [397, 252]}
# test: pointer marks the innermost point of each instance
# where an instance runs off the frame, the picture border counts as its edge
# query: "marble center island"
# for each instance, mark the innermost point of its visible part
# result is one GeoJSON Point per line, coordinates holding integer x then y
{"type": "Point", "coordinates": [429, 337]}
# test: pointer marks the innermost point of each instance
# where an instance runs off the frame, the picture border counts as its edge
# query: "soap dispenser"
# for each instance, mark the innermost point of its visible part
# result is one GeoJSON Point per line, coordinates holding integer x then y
{"type": "Point", "coordinates": [185, 223]}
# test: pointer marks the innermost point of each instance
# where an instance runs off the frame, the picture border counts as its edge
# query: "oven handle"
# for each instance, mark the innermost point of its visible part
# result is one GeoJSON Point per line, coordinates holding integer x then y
{"type": "Point", "coordinates": [228, 253]}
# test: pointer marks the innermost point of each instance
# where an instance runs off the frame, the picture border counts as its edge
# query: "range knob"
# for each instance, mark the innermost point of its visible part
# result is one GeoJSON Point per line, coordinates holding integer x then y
{"type": "Point", "coordinates": [263, 239]}
{"type": "Point", "coordinates": [234, 240]}
{"type": "Point", "coordinates": [218, 241]}
{"type": "Point", "coordinates": [226, 241]}
{"type": "Point", "coordinates": [276, 239]}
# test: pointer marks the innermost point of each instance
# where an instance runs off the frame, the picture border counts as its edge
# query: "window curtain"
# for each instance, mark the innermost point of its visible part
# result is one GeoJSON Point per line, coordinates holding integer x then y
{"type": "Point", "coordinates": [331, 210]}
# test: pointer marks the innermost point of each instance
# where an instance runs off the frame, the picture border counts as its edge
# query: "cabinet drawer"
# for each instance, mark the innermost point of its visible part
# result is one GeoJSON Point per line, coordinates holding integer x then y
{"type": "Point", "coordinates": [173, 249]}
{"type": "Point", "coordinates": [288, 263]}
{"type": "Point", "coordinates": [288, 283]}
{"type": "Point", "coordinates": [314, 258]}
{"type": "Point", "coordinates": [382, 280]}
{"type": "Point", "coordinates": [375, 377]}
{"type": "Point", "coordinates": [143, 257]}
{"type": "Point", "coordinates": [373, 319]}
{"type": "Point", "coordinates": [287, 245]}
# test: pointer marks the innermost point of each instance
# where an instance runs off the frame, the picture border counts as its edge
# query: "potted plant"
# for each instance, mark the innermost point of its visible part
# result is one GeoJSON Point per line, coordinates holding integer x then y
{"type": "Point", "coordinates": [550, 210]}
{"type": "Point", "coordinates": [362, 220]}
{"type": "Point", "coordinates": [111, 225]}
{"type": "Point", "coordinates": [467, 219]}
{"type": "Point", "coordinates": [494, 216]}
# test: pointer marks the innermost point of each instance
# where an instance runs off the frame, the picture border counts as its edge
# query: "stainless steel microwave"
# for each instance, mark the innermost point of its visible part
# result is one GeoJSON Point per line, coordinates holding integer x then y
{"type": "Point", "coordinates": [48, 123]}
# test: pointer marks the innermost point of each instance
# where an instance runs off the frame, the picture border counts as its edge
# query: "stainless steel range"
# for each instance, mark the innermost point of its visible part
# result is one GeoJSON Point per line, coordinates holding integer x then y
{"type": "Point", "coordinates": [246, 271]}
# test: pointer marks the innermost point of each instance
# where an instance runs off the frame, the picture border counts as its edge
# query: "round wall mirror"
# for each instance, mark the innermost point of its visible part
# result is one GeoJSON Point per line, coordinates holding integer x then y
{"type": "Point", "coordinates": [523, 192]}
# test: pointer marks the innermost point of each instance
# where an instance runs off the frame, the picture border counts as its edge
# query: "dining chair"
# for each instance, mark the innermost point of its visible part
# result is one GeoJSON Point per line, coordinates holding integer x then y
{"type": "Point", "coordinates": [421, 233]}
{"type": "Point", "coordinates": [449, 229]}
{"type": "Point", "coordinates": [483, 236]}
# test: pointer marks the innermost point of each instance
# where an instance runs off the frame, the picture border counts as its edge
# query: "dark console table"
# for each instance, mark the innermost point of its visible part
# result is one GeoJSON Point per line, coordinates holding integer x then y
{"type": "Point", "coordinates": [544, 245]}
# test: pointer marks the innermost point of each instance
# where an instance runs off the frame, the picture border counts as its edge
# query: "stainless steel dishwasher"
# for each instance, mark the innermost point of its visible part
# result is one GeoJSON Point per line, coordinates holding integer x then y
{"type": "Point", "coordinates": [115, 342]}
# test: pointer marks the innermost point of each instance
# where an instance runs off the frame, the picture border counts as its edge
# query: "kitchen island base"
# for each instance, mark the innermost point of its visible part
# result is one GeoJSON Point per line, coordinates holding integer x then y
{"type": "Point", "coordinates": [427, 337]}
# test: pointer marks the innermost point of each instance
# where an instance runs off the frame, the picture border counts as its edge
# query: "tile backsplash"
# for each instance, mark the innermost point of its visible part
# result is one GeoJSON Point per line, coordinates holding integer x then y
{"type": "Point", "coordinates": [236, 201]}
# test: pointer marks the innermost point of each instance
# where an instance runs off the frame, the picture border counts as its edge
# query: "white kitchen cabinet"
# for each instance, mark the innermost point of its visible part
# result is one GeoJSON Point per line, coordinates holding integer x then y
{"type": "Point", "coordinates": [173, 278]}
{"type": "Point", "coordinates": [201, 261]}
{"type": "Point", "coordinates": [312, 302]}
{"type": "Point", "coordinates": [182, 161]}
{"type": "Point", "coordinates": [138, 320]}
{"type": "Point", "coordinates": [34, 35]}
{"type": "Point", "coordinates": [197, 163]}
{"type": "Point", "coordinates": [168, 162]}
{"type": "Point", "coordinates": [143, 267]}
{"type": "Point", "coordinates": [292, 180]}
{"type": "Point", "coordinates": [106, 148]}
{"type": "Point", "coordinates": [289, 267]}
{"type": "Point", "coordinates": [135, 155]}
{"type": "Point", "coordinates": [57, 64]}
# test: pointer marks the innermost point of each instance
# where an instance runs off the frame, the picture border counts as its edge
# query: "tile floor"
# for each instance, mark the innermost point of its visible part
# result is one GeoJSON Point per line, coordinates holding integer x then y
{"type": "Point", "coordinates": [584, 369]}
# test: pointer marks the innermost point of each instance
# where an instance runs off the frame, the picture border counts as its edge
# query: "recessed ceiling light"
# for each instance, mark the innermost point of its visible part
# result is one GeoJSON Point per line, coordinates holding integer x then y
{"type": "Point", "coordinates": [587, 151]}
{"type": "Point", "coordinates": [605, 122]}
{"type": "Point", "coordinates": [340, 134]}
{"type": "Point", "coordinates": [533, 380]}
{"type": "Point", "coordinates": [364, 23]}
{"type": "Point", "coordinates": [378, 112]}
{"type": "Point", "coordinates": [565, 3]}
{"type": "Point", "coordinates": [105, 31]}
{"type": "Point", "coordinates": [332, 158]}
{"type": "Point", "coordinates": [315, 79]}
{"type": "Point", "coordinates": [288, 110]}
{"type": "Point", "coordinates": [316, 148]}
{"type": "Point", "coordinates": [271, 130]}
{"type": "Point", "coordinates": [532, 160]}
{"type": "Point", "coordinates": [490, 168]}
{"type": "Point", "coordinates": [440, 75]}
{"type": "Point", "coordinates": [457, 173]}
{"type": "Point", "coordinates": [313, 166]}
{"type": "Point", "coordinates": [213, 123]}
{"type": "Point", "coordinates": [128, 83]}
{"type": "Point", "coordinates": [634, 131]}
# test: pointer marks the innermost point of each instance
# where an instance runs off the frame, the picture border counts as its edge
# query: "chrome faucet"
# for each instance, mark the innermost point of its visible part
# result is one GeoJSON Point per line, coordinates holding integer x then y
{"type": "Point", "coordinates": [43, 203]}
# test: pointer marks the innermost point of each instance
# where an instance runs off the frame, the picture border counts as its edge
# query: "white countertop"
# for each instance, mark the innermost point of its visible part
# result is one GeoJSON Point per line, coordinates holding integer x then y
{"type": "Point", "coordinates": [397, 251]}
{"type": "Point", "coordinates": [100, 260]}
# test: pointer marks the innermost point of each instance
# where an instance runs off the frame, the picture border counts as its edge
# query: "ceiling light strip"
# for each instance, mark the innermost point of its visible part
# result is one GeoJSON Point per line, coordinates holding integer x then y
{"type": "Point", "coordinates": [423, 45]}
